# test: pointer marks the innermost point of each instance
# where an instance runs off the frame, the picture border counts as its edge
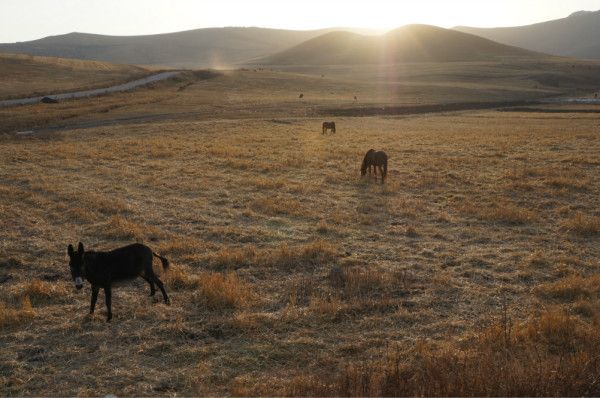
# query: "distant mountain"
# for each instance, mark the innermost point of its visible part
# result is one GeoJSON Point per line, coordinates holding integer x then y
{"type": "Point", "coordinates": [412, 43]}
{"type": "Point", "coordinates": [212, 47]}
{"type": "Point", "coordinates": [575, 36]}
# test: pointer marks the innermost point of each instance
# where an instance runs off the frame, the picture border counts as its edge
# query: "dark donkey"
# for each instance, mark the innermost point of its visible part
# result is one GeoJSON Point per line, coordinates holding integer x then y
{"type": "Point", "coordinates": [101, 269]}
{"type": "Point", "coordinates": [375, 160]}
{"type": "Point", "coordinates": [328, 126]}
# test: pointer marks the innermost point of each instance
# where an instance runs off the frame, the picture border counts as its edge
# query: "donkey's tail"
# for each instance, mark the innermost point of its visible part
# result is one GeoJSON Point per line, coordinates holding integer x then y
{"type": "Point", "coordinates": [385, 169]}
{"type": "Point", "coordinates": [164, 261]}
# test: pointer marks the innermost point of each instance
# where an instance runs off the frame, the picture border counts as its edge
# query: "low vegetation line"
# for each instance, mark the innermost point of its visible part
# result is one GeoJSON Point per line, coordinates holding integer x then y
{"type": "Point", "coordinates": [418, 109]}
{"type": "Point", "coordinates": [540, 110]}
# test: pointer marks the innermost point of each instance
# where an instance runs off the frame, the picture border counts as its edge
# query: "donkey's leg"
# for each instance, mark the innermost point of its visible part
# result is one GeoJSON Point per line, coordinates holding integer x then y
{"type": "Point", "coordinates": [107, 296]}
{"type": "Point", "coordinates": [162, 289]}
{"type": "Point", "coordinates": [381, 171]}
{"type": "Point", "coordinates": [151, 282]}
{"type": "Point", "coordinates": [95, 290]}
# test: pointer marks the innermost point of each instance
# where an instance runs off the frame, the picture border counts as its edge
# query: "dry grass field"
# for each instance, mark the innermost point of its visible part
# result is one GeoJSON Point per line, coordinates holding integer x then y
{"type": "Point", "coordinates": [30, 76]}
{"type": "Point", "coordinates": [472, 271]}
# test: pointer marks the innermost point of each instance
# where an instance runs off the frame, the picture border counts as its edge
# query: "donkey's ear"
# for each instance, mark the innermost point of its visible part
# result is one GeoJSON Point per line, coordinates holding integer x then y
{"type": "Point", "coordinates": [80, 248]}
{"type": "Point", "coordinates": [70, 250]}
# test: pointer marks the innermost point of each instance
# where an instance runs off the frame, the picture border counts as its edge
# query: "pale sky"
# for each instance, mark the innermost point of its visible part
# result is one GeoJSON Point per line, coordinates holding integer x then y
{"type": "Point", "coordinates": [22, 20]}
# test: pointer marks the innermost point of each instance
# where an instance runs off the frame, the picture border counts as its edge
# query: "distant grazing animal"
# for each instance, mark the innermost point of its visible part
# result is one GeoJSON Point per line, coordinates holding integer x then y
{"type": "Point", "coordinates": [101, 269]}
{"type": "Point", "coordinates": [301, 96]}
{"type": "Point", "coordinates": [48, 100]}
{"type": "Point", "coordinates": [328, 126]}
{"type": "Point", "coordinates": [375, 160]}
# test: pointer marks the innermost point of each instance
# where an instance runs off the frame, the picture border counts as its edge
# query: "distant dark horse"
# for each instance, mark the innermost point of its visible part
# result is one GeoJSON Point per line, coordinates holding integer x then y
{"type": "Point", "coordinates": [328, 126]}
{"type": "Point", "coordinates": [101, 269]}
{"type": "Point", "coordinates": [375, 160]}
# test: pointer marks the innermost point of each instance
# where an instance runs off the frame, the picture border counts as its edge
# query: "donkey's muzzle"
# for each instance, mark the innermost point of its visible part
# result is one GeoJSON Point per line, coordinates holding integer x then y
{"type": "Point", "coordinates": [78, 283]}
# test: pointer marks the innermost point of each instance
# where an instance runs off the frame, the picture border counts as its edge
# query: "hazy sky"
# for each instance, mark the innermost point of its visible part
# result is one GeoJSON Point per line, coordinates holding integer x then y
{"type": "Point", "coordinates": [22, 20]}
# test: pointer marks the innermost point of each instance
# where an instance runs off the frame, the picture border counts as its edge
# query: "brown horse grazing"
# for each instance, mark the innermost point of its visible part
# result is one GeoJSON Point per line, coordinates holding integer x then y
{"type": "Point", "coordinates": [375, 159]}
{"type": "Point", "coordinates": [328, 126]}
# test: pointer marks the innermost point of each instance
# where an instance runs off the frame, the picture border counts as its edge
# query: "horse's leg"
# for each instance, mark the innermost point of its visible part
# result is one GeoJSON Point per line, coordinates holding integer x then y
{"type": "Point", "coordinates": [95, 290]}
{"type": "Point", "coordinates": [381, 171]}
{"type": "Point", "coordinates": [108, 298]}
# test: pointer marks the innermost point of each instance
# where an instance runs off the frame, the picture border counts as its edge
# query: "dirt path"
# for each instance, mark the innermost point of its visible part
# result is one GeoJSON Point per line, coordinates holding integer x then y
{"type": "Point", "coordinates": [91, 93]}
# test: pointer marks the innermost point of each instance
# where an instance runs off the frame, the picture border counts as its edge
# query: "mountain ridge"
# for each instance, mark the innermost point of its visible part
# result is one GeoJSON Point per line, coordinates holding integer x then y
{"type": "Point", "coordinates": [577, 35]}
{"type": "Point", "coordinates": [196, 48]}
{"type": "Point", "coordinates": [410, 43]}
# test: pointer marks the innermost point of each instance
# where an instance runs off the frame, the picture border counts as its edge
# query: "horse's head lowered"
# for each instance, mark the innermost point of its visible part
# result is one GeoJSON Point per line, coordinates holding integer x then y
{"type": "Point", "coordinates": [366, 162]}
{"type": "Point", "coordinates": [76, 264]}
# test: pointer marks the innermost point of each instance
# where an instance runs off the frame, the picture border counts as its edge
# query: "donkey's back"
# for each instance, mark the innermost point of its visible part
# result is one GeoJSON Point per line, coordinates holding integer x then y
{"type": "Point", "coordinates": [125, 262]}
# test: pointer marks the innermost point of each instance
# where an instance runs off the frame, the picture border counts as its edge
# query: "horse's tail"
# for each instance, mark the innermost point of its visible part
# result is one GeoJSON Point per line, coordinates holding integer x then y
{"type": "Point", "coordinates": [164, 261]}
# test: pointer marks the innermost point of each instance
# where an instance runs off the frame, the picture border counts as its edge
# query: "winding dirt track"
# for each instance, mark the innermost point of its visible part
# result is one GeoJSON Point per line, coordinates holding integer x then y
{"type": "Point", "coordinates": [91, 93]}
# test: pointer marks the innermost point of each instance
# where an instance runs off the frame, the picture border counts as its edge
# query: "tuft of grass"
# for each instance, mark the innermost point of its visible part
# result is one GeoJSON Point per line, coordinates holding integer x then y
{"type": "Point", "coordinates": [308, 255]}
{"type": "Point", "coordinates": [570, 289]}
{"type": "Point", "coordinates": [223, 291]}
{"type": "Point", "coordinates": [178, 278]}
{"type": "Point", "coordinates": [273, 206]}
{"type": "Point", "coordinates": [583, 225]}
{"type": "Point", "coordinates": [301, 291]}
{"type": "Point", "coordinates": [11, 316]}
{"type": "Point", "coordinates": [42, 292]}
{"type": "Point", "coordinates": [105, 204]}
{"type": "Point", "coordinates": [503, 213]}
{"type": "Point", "coordinates": [328, 307]}
{"type": "Point", "coordinates": [181, 246]}
{"type": "Point", "coordinates": [120, 228]}
{"type": "Point", "coordinates": [232, 258]}
{"type": "Point", "coordinates": [568, 183]}
{"type": "Point", "coordinates": [537, 259]}
{"type": "Point", "coordinates": [364, 283]}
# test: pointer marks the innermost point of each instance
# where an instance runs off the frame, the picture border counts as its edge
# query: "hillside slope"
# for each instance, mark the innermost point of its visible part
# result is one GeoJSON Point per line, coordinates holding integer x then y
{"type": "Point", "coordinates": [200, 48]}
{"type": "Point", "coordinates": [25, 75]}
{"type": "Point", "coordinates": [412, 43]}
{"type": "Point", "coordinates": [575, 36]}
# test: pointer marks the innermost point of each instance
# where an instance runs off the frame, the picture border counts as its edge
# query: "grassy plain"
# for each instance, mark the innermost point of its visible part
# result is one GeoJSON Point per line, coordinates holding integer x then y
{"type": "Point", "coordinates": [289, 271]}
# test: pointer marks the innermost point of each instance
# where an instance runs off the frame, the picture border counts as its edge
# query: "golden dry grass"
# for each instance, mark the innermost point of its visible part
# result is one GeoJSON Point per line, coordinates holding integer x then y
{"type": "Point", "coordinates": [25, 75]}
{"type": "Point", "coordinates": [285, 264]}
{"type": "Point", "coordinates": [10, 316]}
{"type": "Point", "coordinates": [552, 354]}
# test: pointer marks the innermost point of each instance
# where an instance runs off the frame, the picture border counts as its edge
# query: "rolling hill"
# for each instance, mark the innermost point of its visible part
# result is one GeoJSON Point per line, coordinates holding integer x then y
{"type": "Point", "coordinates": [26, 75]}
{"type": "Point", "coordinates": [411, 43]}
{"type": "Point", "coordinates": [575, 36]}
{"type": "Point", "coordinates": [200, 48]}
